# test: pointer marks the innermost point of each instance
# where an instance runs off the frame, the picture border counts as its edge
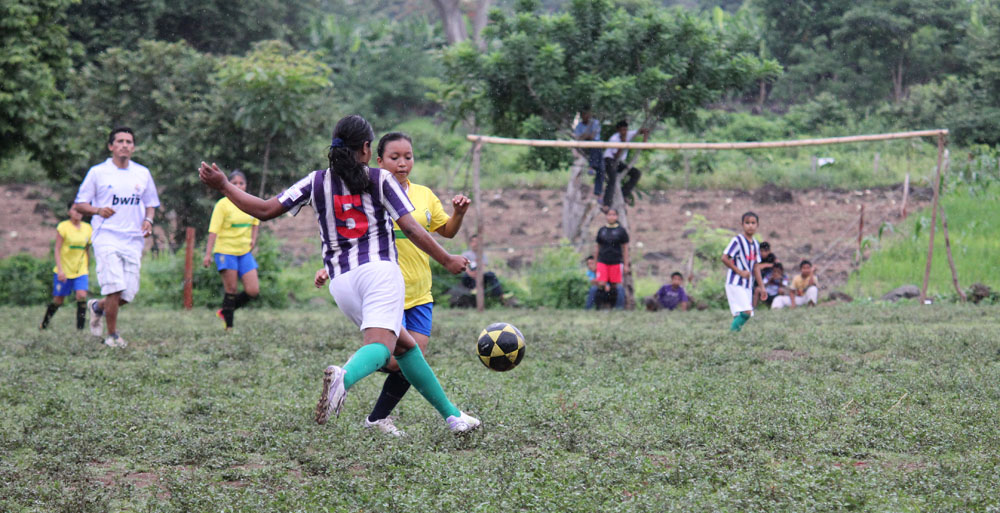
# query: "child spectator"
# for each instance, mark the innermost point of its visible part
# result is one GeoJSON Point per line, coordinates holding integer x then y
{"type": "Point", "coordinates": [767, 259]}
{"type": "Point", "coordinates": [611, 253]}
{"type": "Point", "coordinates": [592, 279]}
{"type": "Point", "coordinates": [804, 290]}
{"type": "Point", "coordinates": [776, 282]}
{"type": "Point", "coordinates": [672, 296]}
{"type": "Point", "coordinates": [589, 129]}
{"type": "Point", "coordinates": [741, 257]}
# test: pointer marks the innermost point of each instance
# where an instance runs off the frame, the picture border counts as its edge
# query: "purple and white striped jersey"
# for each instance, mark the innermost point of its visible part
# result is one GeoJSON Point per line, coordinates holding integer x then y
{"type": "Point", "coordinates": [355, 228]}
{"type": "Point", "coordinates": [746, 255]}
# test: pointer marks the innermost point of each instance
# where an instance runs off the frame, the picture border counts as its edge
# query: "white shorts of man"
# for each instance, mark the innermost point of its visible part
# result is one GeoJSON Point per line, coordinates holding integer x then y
{"type": "Point", "coordinates": [811, 296]}
{"type": "Point", "coordinates": [118, 270]}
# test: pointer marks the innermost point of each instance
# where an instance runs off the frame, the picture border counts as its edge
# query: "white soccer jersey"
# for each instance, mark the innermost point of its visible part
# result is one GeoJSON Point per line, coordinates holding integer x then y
{"type": "Point", "coordinates": [355, 228]}
{"type": "Point", "coordinates": [127, 191]}
{"type": "Point", "coordinates": [746, 255]}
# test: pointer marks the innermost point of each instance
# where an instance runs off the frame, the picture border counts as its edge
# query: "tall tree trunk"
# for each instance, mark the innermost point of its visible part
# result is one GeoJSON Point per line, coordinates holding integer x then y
{"type": "Point", "coordinates": [263, 173]}
{"type": "Point", "coordinates": [897, 81]}
{"type": "Point", "coordinates": [452, 19]}
{"type": "Point", "coordinates": [479, 18]}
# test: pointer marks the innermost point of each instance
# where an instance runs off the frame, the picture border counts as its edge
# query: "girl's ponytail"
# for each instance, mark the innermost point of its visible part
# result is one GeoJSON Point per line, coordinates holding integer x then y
{"type": "Point", "coordinates": [349, 137]}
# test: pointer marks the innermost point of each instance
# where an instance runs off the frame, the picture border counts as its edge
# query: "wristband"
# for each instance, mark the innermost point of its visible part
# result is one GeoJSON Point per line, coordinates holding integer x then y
{"type": "Point", "coordinates": [150, 221]}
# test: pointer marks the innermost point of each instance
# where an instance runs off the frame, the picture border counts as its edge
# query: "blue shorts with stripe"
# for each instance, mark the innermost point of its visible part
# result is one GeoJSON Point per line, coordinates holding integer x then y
{"type": "Point", "coordinates": [65, 288]}
{"type": "Point", "coordinates": [242, 264]}
{"type": "Point", "coordinates": [419, 318]}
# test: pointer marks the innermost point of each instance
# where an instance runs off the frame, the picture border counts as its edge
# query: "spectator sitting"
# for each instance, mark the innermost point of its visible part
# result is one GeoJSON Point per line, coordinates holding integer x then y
{"type": "Point", "coordinates": [776, 283]}
{"type": "Point", "coordinates": [589, 129]}
{"type": "Point", "coordinates": [615, 163]}
{"type": "Point", "coordinates": [804, 290]}
{"type": "Point", "coordinates": [592, 279]}
{"type": "Point", "coordinates": [767, 259]}
{"type": "Point", "coordinates": [670, 296]}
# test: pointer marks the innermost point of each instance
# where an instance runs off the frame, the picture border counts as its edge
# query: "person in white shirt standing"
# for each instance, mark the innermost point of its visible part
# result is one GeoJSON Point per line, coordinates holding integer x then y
{"type": "Point", "coordinates": [121, 197]}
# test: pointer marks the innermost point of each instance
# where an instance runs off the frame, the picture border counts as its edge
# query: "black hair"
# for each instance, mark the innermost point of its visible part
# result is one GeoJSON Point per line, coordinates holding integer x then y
{"type": "Point", "coordinates": [612, 209]}
{"type": "Point", "coordinates": [675, 273]}
{"type": "Point", "coordinates": [805, 262]}
{"type": "Point", "coordinates": [391, 137]}
{"type": "Point", "coordinates": [236, 172]}
{"type": "Point", "coordinates": [778, 265]}
{"type": "Point", "coordinates": [622, 123]}
{"type": "Point", "coordinates": [749, 214]}
{"type": "Point", "coordinates": [589, 258]}
{"type": "Point", "coordinates": [765, 245]}
{"type": "Point", "coordinates": [119, 129]}
{"type": "Point", "coordinates": [353, 131]}
{"type": "Point", "coordinates": [70, 205]}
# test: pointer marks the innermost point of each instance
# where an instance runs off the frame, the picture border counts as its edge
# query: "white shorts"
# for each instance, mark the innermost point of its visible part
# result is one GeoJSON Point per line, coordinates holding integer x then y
{"type": "Point", "coordinates": [371, 295]}
{"type": "Point", "coordinates": [118, 270]}
{"type": "Point", "coordinates": [740, 299]}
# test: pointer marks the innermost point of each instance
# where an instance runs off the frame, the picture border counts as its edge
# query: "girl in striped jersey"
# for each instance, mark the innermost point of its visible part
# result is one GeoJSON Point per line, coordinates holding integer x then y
{"type": "Point", "coordinates": [355, 206]}
{"type": "Point", "coordinates": [741, 257]}
{"type": "Point", "coordinates": [232, 235]}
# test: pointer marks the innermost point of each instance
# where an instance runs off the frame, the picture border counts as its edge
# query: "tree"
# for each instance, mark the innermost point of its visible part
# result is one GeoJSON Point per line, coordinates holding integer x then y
{"type": "Point", "coordinates": [274, 93]}
{"type": "Point", "coordinates": [454, 19]}
{"type": "Point", "coordinates": [35, 62]}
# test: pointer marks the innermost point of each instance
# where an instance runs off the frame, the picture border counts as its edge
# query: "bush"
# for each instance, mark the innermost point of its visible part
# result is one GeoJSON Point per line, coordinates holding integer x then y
{"type": "Point", "coordinates": [27, 280]}
{"type": "Point", "coordinates": [556, 279]}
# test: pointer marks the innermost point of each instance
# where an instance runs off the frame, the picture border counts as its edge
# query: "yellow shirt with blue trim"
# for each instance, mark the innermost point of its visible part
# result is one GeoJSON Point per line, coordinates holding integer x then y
{"type": "Point", "coordinates": [73, 254]}
{"type": "Point", "coordinates": [233, 228]}
{"type": "Point", "coordinates": [414, 263]}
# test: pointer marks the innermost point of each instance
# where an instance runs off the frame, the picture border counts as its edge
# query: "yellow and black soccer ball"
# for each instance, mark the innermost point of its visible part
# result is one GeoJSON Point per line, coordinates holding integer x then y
{"type": "Point", "coordinates": [501, 346]}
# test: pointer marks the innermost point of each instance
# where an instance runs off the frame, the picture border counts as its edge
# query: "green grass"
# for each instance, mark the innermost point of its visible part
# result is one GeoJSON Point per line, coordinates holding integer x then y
{"type": "Point", "coordinates": [855, 407]}
{"type": "Point", "coordinates": [974, 230]}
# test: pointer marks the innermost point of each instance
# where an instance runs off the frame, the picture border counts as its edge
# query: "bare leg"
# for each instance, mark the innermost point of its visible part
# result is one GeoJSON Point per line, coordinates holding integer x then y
{"type": "Point", "coordinates": [251, 285]}
{"type": "Point", "coordinates": [110, 305]}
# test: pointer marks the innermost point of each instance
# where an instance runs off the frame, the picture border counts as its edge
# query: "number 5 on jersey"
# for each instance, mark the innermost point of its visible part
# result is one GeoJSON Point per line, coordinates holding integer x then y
{"type": "Point", "coordinates": [349, 210]}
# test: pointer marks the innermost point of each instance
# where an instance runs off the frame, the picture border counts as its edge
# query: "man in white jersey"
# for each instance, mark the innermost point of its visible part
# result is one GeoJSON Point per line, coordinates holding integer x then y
{"type": "Point", "coordinates": [121, 197]}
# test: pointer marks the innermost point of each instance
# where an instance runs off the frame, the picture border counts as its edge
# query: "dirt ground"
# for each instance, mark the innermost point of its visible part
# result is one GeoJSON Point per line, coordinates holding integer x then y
{"type": "Point", "coordinates": [817, 224]}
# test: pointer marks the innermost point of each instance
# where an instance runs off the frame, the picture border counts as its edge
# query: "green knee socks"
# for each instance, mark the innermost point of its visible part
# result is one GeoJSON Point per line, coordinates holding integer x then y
{"type": "Point", "coordinates": [739, 321]}
{"type": "Point", "coordinates": [365, 361]}
{"type": "Point", "coordinates": [420, 375]}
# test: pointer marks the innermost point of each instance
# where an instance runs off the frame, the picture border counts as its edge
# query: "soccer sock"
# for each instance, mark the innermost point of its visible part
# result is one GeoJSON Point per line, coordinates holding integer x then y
{"type": "Point", "coordinates": [241, 300]}
{"type": "Point", "coordinates": [364, 361]}
{"type": "Point", "coordinates": [739, 321]}
{"type": "Point", "coordinates": [81, 314]}
{"type": "Point", "coordinates": [228, 305]}
{"type": "Point", "coordinates": [393, 390]}
{"type": "Point", "coordinates": [49, 312]}
{"type": "Point", "coordinates": [417, 372]}
{"type": "Point", "coordinates": [97, 309]}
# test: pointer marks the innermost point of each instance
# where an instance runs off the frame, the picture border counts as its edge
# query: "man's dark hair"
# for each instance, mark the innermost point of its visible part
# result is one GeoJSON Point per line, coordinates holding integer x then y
{"type": "Point", "coordinates": [805, 263]}
{"type": "Point", "coordinates": [675, 273]}
{"type": "Point", "coordinates": [620, 124]}
{"type": "Point", "coordinates": [765, 245]}
{"type": "Point", "coordinates": [749, 214]}
{"type": "Point", "coordinates": [119, 129]}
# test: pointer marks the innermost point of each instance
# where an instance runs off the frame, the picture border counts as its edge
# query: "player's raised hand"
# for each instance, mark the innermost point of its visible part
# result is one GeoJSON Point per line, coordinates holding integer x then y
{"type": "Point", "coordinates": [456, 264]}
{"type": "Point", "coordinates": [212, 176]}
{"type": "Point", "coordinates": [461, 204]}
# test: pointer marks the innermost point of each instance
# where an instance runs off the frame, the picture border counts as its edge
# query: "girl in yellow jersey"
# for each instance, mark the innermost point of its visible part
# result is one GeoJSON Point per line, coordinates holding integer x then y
{"type": "Point", "coordinates": [395, 154]}
{"type": "Point", "coordinates": [72, 265]}
{"type": "Point", "coordinates": [232, 234]}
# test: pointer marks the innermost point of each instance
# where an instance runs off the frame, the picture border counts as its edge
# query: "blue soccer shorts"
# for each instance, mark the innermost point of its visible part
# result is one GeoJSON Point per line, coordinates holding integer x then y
{"type": "Point", "coordinates": [419, 318]}
{"type": "Point", "coordinates": [65, 288]}
{"type": "Point", "coordinates": [242, 264]}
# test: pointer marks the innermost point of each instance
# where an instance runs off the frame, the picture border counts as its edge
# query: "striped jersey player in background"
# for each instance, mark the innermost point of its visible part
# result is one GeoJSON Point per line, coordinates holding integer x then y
{"type": "Point", "coordinates": [355, 206]}
{"type": "Point", "coordinates": [232, 235]}
{"type": "Point", "coordinates": [741, 257]}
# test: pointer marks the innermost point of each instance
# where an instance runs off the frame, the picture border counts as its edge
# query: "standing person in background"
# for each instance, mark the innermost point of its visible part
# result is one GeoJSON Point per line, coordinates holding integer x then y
{"type": "Point", "coordinates": [121, 197]}
{"type": "Point", "coordinates": [611, 253]}
{"type": "Point", "coordinates": [741, 257]}
{"type": "Point", "coordinates": [589, 129]}
{"type": "Point", "coordinates": [615, 163]}
{"type": "Point", "coordinates": [72, 265]}
{"type": "Point", "coordinates": [355, 206]}
{"type": "Point", "coordinates": [395, 155]}
{"type": "Point", "coordinates": [232, 235]}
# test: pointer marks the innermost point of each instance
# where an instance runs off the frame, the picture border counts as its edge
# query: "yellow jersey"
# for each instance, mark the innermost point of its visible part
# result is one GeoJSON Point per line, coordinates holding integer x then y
{"type": "Point", "coordinates": [73, 254]}
{"type": "Point", "coordinates": [414, 263]}
{"type": "Point", "coordinates": [233, 228]}
{"type": "Point", "coordinates": [800, 284]}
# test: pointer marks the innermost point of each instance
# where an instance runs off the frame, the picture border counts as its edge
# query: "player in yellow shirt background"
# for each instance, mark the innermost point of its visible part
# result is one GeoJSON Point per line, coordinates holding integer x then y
{"type": "Point", "coordinates": [232, 235]}
{"type": "Point", "coordinates": [395, 154]}
{"type": "Point", "coordinates": [70, 275]}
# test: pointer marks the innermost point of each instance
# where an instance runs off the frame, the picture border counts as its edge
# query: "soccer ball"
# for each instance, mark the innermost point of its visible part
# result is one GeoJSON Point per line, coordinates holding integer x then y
{"type": "Point", "coordinates": [501, 346]}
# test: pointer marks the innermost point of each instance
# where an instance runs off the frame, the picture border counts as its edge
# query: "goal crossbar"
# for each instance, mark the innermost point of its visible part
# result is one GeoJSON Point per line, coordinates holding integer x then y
{"type": "Point", "coordinates": [489, 139]}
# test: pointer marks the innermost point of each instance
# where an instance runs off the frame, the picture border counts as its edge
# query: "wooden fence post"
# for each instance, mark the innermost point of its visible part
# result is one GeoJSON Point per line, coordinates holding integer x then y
{"type": "Point", "coordinates": [934, 209]}
{"type": "Point", "coordinates": [906, 196]}
{"type": "Point", "coordinates": [478, 202]}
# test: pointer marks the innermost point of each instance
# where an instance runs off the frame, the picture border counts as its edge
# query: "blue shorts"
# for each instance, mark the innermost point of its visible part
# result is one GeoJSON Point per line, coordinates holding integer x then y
{"type": "Point", "coordinates": [242, 264]}
{"type": "Point", "coordinates": [65, 288]}
{"type": "Point", "coordinates": [419, 318]}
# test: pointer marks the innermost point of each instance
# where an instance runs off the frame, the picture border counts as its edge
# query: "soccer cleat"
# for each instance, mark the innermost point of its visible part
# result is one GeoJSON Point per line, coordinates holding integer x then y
{"type": "Point", "coordinates": [218, 313]}
{"type": "Point", "coordinates": [334, 393]}
{"type": "Point", "coordinates": [463, 423]}
{"type": "Point", "coordinates": [96, 329]}
{"type": "Point", "coordinates": [384, 425]}
{"type": "Point", "coordinates": [113, 340]}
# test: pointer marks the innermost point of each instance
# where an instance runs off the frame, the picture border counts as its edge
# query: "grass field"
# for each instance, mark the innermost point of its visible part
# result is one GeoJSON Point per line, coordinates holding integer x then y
{"type": "Point", "coordinates": [873, 408]}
